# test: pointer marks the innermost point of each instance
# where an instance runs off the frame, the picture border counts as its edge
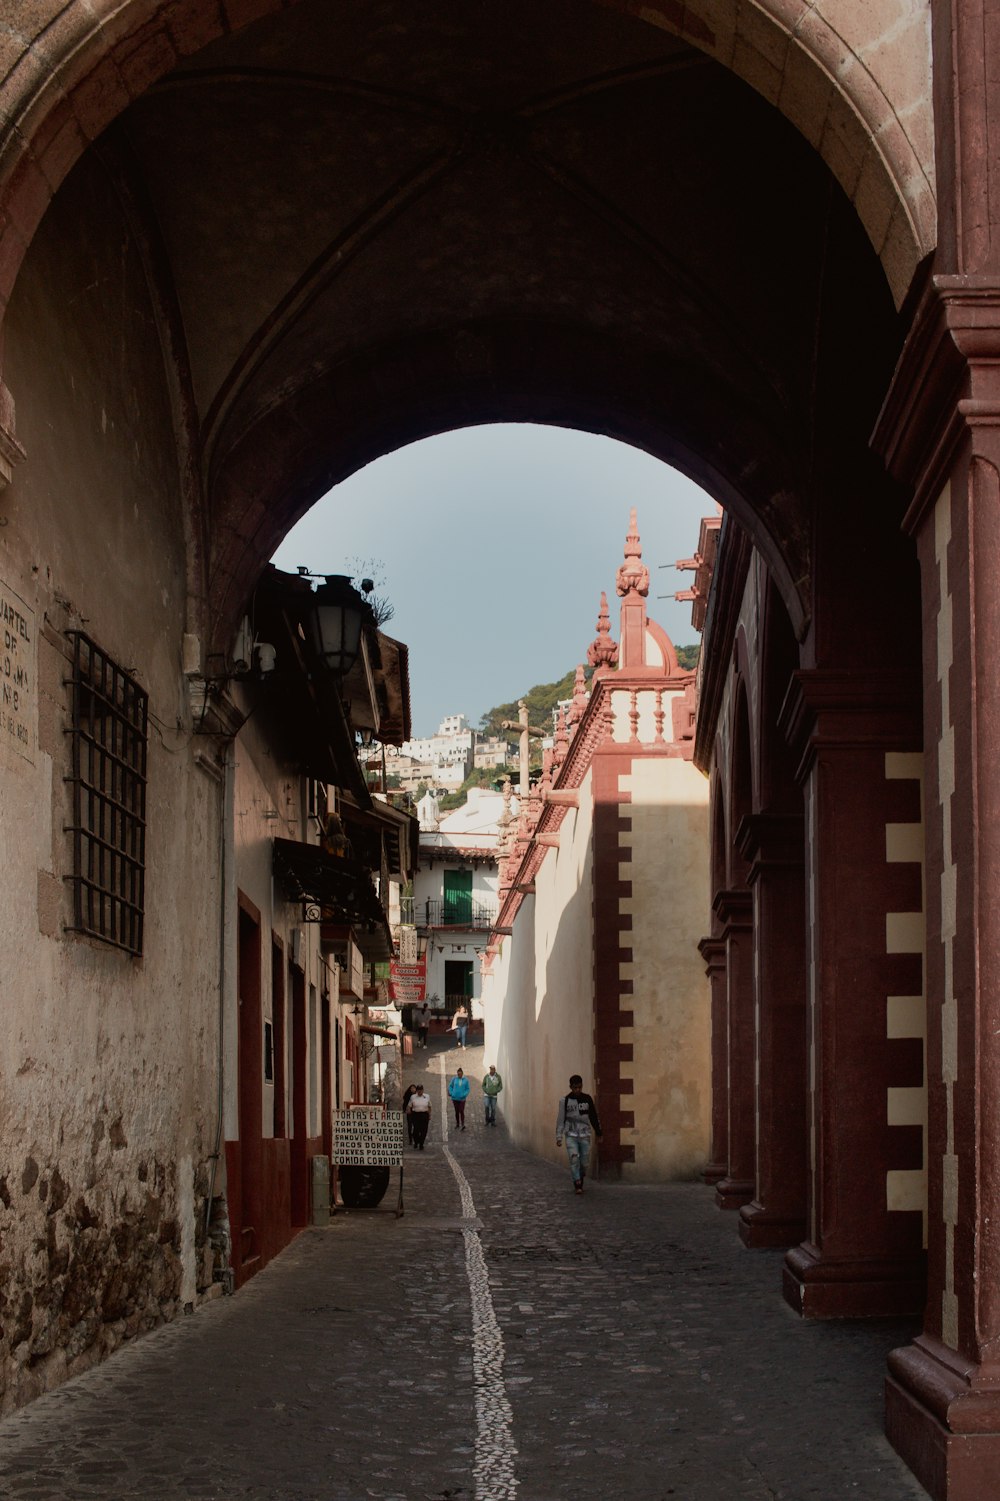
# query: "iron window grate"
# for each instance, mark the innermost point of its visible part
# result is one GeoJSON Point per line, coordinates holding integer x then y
{"type": "Point", "coordinates": [108, 782]}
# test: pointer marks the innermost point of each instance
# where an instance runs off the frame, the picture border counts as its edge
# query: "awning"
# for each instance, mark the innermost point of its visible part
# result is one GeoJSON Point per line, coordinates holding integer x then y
{"type": "Point", "coordinates": [331, 888]}
{"type": "Point", "coordinates": [378, 1032]}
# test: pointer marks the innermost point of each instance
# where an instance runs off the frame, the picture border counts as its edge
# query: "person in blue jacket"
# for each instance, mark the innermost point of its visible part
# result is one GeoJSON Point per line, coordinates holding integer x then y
{"type": "Point", "coordinates": [458, 1090]}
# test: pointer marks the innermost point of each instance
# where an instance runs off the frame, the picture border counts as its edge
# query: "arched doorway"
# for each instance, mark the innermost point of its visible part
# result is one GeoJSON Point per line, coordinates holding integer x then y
{"type": "Point", "coordinates": [299, 244]}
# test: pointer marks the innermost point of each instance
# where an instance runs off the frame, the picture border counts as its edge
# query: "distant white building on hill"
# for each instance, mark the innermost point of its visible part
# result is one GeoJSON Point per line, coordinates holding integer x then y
{"type": "Point", "coordinates": [452, 743]}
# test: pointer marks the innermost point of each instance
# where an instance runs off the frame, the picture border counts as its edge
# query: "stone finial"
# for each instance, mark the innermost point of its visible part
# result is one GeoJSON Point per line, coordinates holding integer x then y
{"type": "Point", "coordinates": [603, 652]}
{"type": "Point", "coordinates": [579, 703]}
{"type": "Point", "coordinates": [633, 575]}
{"type": "Point", "coordinates": [505, 814]}
{"type": "Point", "coordinates": [562, 740]}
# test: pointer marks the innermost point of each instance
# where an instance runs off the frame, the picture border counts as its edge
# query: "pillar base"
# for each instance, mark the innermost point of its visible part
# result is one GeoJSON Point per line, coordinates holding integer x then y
{"type": "Point", "coordinates": [767, 1229]}
{"type": "Point", "coordinates": [942, 1416]}
{"type": "Point", "coordinates": [713, 1172]}
{"type": "Point", "coordinates": [733, 1193]}
{"type": "Point", "coordinates": [819, 1287]}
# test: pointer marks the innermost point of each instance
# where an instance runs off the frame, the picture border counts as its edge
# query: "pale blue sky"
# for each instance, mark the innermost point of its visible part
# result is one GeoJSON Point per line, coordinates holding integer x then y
{"type": "Point", "coordinates": [495, 543]}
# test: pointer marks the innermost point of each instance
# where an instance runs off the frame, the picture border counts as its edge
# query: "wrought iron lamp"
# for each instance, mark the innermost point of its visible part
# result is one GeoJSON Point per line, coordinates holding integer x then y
{"type": "Point", "coordinates": [334, 623]}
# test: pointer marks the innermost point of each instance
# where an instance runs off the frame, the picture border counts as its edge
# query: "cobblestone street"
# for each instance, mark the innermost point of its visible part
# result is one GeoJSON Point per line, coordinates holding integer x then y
{"type": "Point", "coordinates": [504, 1338]}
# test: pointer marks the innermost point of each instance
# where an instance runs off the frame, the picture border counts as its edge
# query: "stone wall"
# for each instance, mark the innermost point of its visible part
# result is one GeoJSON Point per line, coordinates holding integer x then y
{"type": "Point", "coordinates": [108, 1108]}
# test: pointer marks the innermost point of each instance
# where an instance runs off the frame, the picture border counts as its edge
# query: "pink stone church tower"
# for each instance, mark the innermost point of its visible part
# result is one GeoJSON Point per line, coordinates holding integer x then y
{"type": "Point", "coordinates": [594, 964]}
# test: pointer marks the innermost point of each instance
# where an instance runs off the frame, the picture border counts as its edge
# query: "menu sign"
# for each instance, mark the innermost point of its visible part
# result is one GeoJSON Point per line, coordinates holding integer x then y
{"type": "Point", "coordinates": [407, 982]}
{"type": "Point", "coordinates": [368, 1136]}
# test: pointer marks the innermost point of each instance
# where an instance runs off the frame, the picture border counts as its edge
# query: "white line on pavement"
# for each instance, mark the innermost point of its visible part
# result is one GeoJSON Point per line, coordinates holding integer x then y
{"type": "Point", "coordinates": [495, 1451]}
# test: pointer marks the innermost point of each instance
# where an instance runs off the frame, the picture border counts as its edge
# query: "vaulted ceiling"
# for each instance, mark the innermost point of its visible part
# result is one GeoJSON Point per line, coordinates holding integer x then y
{"type": "Point", "coordinates": [376, 220]}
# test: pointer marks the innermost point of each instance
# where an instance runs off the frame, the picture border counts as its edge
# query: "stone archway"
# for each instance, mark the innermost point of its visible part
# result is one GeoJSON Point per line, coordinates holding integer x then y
{"type": "Point", "coordinates": [844, 95]}
{"type": "Point", "coordinates": [239, 261]}
{"type": "Point", "coordinates": [858, 88]}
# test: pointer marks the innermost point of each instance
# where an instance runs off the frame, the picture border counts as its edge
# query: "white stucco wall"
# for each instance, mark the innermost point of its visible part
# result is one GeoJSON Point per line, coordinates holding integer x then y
{"type": "Point", "coordinates": [539, 1000]}
{"type": "Point", "coordinates": [670, 1002]}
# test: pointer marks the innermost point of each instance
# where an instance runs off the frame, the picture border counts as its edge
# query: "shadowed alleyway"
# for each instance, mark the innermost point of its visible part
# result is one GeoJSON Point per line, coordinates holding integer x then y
{"type": "Point", "coordinates": [502, 1339]}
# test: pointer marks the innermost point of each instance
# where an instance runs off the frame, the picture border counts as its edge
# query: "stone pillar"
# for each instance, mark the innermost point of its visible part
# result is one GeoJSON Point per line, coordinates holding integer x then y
{"type": "Point", "coordinates": [713, 951]}
{"type": "Point", "coordinates": [734, 911]}
{"type": "Point", "coordinates": [773, 847]}
{"type": "Point", "coordinates": [863, 1254]}
{"type": "Point", "coordinates": [941, 431]}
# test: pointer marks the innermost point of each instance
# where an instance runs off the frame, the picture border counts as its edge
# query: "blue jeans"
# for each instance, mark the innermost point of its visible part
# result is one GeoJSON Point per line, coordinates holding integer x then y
{"type": "Point", "coordinates": [460, 1034]}
{"type": "Point", "coordinates": [490, 1106]}
{"type": "Point", "coordinates": [578, 1152]}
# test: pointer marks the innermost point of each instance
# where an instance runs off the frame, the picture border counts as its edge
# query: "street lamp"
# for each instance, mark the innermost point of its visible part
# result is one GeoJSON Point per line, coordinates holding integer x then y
{"type": "Point", "coordinates": [334, 622]}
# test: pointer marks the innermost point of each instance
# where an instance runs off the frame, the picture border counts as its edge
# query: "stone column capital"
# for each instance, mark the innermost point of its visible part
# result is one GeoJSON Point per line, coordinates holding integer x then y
{"type": "Point", "coordinates": [734, 909]}
{"type": "Point", "coordinates": [831, 709]}
{"type": "Point", "coordinates": [713, 950]}
{"type": "Point", "coordinates": [945, 389]}
{"type": "Point", "coordinates": [769, 841]}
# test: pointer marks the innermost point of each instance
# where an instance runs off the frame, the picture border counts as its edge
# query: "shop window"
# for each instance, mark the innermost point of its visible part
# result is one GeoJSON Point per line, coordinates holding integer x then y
{"type": "Point", "coordinates": [108, 731]}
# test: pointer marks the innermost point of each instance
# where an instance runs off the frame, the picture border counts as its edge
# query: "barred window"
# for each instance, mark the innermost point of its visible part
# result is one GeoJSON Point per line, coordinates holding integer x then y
{"type": "Point", "coordinates": [108, 783]}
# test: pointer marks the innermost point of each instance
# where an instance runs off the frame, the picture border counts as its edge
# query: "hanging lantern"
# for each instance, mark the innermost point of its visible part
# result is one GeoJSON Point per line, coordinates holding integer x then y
{"type": "Point", "coordinates": [334, 623]}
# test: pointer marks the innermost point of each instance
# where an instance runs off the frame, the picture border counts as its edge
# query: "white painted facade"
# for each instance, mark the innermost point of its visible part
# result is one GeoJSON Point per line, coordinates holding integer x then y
{"type": "Point", "coordinates": [538, 997]}
{"type": "Point", "coordinates": [464, 839]}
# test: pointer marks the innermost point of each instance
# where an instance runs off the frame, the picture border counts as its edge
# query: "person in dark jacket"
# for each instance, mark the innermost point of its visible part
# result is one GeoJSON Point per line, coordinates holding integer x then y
{"type": "Point", "coordinates": [411, 1089]}
{"type": "Point", "coordinates": [419, 1111]}
{"type": "Point", "coordinates": [576, 1124]}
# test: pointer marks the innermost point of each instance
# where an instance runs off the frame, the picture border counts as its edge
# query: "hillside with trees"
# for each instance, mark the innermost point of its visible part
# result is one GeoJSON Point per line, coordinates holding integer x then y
{"type": "Point", "coordinates": [542, 699]}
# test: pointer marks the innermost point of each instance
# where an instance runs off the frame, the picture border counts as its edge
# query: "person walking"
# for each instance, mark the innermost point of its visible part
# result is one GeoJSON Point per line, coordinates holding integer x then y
{"type": "Point", "coordinates": [422, 1021]}
{"type": "Point", "coordinates": [408, 1093]}
{"type": "Point", "coordinates": [577, 1121]}
{"type": "Point", "coordinates": [458, 1091]}
{"type": "Point", "coordinates": [419, 1111]}
{"type": "Point", "coordinates": [492, 1085]}
{"type": "Point", "coordinates": [460, 1023]}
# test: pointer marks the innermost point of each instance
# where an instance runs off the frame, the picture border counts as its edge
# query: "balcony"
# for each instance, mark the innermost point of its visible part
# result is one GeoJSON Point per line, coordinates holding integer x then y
{"type": "Point", "coordinates": [469, 915]}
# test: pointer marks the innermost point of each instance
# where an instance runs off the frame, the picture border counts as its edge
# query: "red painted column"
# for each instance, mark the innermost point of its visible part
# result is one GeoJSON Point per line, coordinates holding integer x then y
{"type": "Point", "coordinates": [943, 1390]}
{"type": "Point", "coordinates": [773, 847]}
{"type": "Point", "coordinates": [713, 951]}
{"type": "Point", "coordinates": [860, 1258]}
{"type": "Point", "coordinates": [734, 910]}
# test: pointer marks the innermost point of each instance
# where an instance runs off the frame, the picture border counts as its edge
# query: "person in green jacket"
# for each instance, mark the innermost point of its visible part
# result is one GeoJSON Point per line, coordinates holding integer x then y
{"type": "Point", "coordinates": [492, 1085]}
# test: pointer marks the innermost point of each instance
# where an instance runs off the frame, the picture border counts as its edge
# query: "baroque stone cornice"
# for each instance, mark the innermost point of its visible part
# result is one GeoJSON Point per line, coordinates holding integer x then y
{"type": "Point", "coordinates": [725, 602]}
{"type": "Point", "coordinates": [713, 951]}
{"type": "Point", "coordinates": [946, 383]}
{"type": "Point", "coordinates": [766, 840]}
{"type": "Point", "coordinates": [733, 908]}
{"type": "Point", "coordinates": [592, 735]}
{"type": "Point", "coordinates": [848, 708]}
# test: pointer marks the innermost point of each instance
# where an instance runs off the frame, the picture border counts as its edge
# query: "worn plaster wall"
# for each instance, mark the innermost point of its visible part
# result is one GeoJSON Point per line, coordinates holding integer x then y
{"type": "Point", "coordinates": [670, 1034]}
{"type": "Point", "coordinates": [108, 1063]}
{"type": "Point", "coordinates": [269, 802]}
{"type": "Point", "coordinates": [539, 1001]}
